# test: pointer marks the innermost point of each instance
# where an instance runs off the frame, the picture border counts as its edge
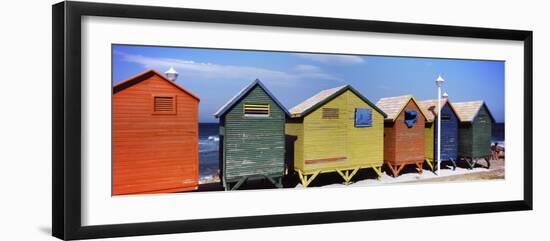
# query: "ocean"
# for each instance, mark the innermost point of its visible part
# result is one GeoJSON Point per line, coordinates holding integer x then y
{"type": "Point", "coordinates": [209, 143]}
{"type": "Point", "coordinates": [498, 133]}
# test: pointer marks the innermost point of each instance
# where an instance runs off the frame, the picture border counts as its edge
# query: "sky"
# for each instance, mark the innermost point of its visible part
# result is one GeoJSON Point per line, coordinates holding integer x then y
{"type": "Point", "coordinates": [216, 75]}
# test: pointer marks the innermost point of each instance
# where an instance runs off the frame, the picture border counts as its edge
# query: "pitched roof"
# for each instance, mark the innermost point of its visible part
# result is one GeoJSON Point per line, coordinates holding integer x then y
{"type": "Point", "coordinates": [146, 75]}
{"type": "Point", "coordinates": [324, 96]}
{"type": "Point", "coordinates": [242, 93]}
{"type": "Point", "coordinates": [430, 108]}
{"type": "Point", "coordinates": [313, 100]}
{"type": "Point", "coordinates": [467, 111]}
{"type": "Point", "coordinates": [394, 105]}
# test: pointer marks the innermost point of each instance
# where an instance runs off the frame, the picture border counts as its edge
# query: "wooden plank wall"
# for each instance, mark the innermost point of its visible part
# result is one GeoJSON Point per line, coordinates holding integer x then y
{"type": "Point", "coordinates": [449, 135]}
{"type": "Point", "coordinates": [254, 145]}
{"type": "Point", "coordinates": [338, 140]}
{"type": "Point", "coordinates": [429, 139]}
{"type": "Point", "coordinates": [365, 144]}
{"type": "Point", "coordinates": [154, 153]}
{"type": "Point", "coordinates": [482, 128]}
{"type": "Point", "coordinates": [465, 139]}
{"type": "Point", "coordinates": [409, 142]}
{"type": "Point", "coordinates": [475, 137]}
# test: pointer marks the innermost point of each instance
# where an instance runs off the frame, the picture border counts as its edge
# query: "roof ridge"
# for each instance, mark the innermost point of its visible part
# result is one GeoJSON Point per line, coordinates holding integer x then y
{"type": "Point", "coordinates": [313, 100]}
{"type": "Point", "coordinates": [472, 101]}
{"type": "Point", "coordinates": [389, 105]}
{"type": "Point", "coordinates": [142, 76]}
{"type": "Point", "coordinates": [461, 109]}
{"type": "Point", "coordinates": [226, 106]}
{"type": "Point", "coordinates": [433, 112]}
{"type": "Point", "coordinates": [396, 97]}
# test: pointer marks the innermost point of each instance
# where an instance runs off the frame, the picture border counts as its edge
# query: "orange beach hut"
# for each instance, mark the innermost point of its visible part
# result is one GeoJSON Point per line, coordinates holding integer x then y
{"type": "Point", "coordinates": [403, 132]}
{"type": "Point", "coordinates": [155, 135]}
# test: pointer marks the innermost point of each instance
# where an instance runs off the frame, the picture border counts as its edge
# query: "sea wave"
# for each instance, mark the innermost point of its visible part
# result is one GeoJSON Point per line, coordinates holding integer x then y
{"type": "Point", "coordinates": [210, 144]}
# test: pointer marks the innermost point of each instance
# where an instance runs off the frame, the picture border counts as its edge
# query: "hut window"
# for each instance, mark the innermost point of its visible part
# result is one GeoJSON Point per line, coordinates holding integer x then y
{"type": "Point", "coordinates": [164, 104]}
{"type": "Point", "coordinates": [445, 117]}
{"type": "Point", "coordinates": [331, 113]}
{"type": "Point", "coordinates": [256, 110]}
{"type": "Point", "coordinates": [363, 117]}
{"type": "Point", "coordinates": [411, 116]}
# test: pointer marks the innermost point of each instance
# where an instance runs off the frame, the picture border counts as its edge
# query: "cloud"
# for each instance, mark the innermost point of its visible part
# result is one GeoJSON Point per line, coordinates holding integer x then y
{"type": "Point", "coordinates": [333, 58]}
{"type": "Point", "coordinates": [307, 68]}
{"type": "Point", "coordinates": [307, 71]}
{"type": "Point", "coordinates": [200, 70]}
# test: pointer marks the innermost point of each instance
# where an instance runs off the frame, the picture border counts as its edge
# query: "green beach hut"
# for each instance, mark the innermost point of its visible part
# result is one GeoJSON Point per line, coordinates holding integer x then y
{"type": "Point", "coordinates": [252, 137]}
{"type": "Point", "coordinates": [474, 132]}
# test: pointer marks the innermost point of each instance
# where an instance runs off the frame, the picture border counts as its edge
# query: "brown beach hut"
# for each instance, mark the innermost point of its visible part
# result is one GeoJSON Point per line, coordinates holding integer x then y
{"type": "Point", "coordinates": [403, 132]}
{"type": "Point", "coordinates": [155, 135]}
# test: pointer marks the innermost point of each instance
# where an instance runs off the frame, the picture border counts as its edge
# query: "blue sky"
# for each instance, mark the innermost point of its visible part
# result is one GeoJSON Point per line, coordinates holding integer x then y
{"type": "Point", "coordinates": [216, 75]}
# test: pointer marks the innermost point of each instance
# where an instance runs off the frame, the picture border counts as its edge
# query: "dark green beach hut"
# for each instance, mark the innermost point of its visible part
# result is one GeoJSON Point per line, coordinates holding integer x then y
{"type": "Point", "coordinates": [252, 137]}
{"type": "Point", "coordinates": [474, 132]}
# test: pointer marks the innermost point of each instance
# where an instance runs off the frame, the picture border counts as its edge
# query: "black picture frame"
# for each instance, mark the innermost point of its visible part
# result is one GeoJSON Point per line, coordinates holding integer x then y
{"type": "Point", "coordinates": [66, 75]}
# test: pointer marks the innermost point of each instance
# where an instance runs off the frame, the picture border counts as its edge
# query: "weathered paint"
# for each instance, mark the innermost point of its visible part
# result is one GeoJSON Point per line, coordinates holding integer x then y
{"type": "Point", "coordinates": [404, 145]}
{"type": "Point", "coordinates": [153, 153]}
{"type": "Point", "coordinates": [449, 136]}
{"type": "Point", "coordinates": [253, 147]}
{"type": "Point", "coordinates": [329, 145]}
{"type": "Point", "coordinates": [475, 137]}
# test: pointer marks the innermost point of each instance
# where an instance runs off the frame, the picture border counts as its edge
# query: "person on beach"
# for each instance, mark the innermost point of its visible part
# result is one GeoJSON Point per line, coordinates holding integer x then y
{"type": "Point", "coordinates": [494, 151]}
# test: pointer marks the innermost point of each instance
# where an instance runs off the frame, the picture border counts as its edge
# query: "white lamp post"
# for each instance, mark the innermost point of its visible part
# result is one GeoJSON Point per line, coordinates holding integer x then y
{"type": "Point", "coordinates": [439, 83]}
{"type": "Point", "coordinates": [171, 74]}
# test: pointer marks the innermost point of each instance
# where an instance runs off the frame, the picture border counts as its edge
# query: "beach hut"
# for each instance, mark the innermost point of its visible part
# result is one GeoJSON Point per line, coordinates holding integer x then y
{"type": "Point", "coordinates": [336, 130]}
{"type": "Point", "coordinates": [252, 137]}
{"type": "Point", "coordinates": [403, 132]}
{"type": "Point", "coordinates": [449, 131]}
{"type": "Point", "coordinates": [474, 132]}
{"type": "Point", "coordinates": [155, 135]}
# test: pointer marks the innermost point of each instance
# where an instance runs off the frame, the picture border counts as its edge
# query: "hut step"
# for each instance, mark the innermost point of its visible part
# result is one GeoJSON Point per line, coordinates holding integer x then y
{"type": "Point", "coordinates": [305, 179]}
{"type": "Point", "coordinates": [419, 166]}
{"type": "Point", "coordinates": [239, 183]}
{"type": "Point", "coordinates": [347, 175]}
{"type": "Point", "coordinates": [396, 169]}
{"type": "Point", "coordinates": [471, 163]}
{"type": "Point", "coordinates": [278, 183]}
{"type": "Point", "coordinates": [454, 164]}
{"type": "Point", "coordinates": [431, 164]}
{"type": "Point", "coordinates": [378, 171]}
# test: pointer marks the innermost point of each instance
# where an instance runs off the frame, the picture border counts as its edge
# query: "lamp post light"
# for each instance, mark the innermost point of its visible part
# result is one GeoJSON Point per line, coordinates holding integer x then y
{"type": "Point", "coordinates": [439, 82]}
{"type": "Point", "coordinates": [171, 74]}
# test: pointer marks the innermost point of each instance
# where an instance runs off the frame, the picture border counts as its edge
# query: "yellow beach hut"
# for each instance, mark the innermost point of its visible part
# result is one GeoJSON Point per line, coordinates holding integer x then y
{"type": "Point", "coordinates": [336, 130]}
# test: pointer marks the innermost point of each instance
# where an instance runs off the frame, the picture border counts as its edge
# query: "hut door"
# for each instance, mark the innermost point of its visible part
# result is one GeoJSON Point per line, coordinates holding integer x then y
{"type": "Point", "coordinates": [289, 153]}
